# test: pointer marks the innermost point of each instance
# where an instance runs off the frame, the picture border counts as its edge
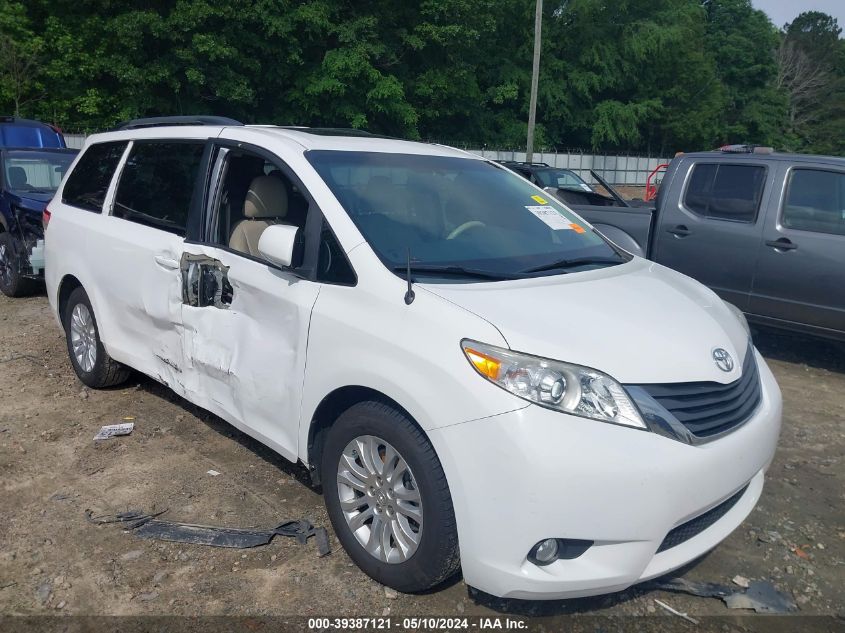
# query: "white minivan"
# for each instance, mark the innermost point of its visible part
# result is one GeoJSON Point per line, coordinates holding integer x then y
{"type": "Point", "coordinates": [478, 380]}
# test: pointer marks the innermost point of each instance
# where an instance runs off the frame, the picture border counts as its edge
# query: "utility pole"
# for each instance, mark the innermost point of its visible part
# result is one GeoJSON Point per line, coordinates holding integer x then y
{"type": "Point", "coordinates": [535, 79]}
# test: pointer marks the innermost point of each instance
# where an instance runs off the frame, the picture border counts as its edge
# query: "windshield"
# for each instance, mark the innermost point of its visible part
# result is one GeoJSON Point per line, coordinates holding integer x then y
{"type": "Point", "coordinates": [560, 178]}
{"type": "Point", "coordinates": [458, 213]}
{"type": "Point", "coordinates": [35, 172]}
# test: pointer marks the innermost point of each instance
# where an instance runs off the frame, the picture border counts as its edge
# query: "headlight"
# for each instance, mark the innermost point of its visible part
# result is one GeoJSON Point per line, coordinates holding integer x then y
{"type": "Point", "coordinates": [555, 385]}
{"type": "Point", "coordinates": [739, 316]}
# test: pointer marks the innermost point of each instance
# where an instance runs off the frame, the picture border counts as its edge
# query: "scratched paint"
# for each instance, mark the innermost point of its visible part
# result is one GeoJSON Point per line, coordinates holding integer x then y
{"type": "Point", "coordinates": [246, 361]}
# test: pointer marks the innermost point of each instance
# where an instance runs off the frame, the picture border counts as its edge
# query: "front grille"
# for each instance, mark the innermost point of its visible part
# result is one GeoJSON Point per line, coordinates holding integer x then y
{"type": "Point", "coordinates": [709, 408]}
{"type": "Point", "coordinates": [696, 526]}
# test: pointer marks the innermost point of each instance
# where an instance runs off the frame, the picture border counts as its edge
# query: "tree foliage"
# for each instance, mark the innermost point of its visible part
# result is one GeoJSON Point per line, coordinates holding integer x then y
{"type": "Point", "coordinates": [20, 58]}
{"type": "Point", "coordinates": [638, 75]}
{"type": "Point", "coordinates": [812, 75]}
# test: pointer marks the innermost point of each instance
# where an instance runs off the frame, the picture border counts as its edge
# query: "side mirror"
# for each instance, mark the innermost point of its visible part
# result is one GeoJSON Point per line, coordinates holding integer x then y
{"type": "Point", "coordinates": [277, 244]}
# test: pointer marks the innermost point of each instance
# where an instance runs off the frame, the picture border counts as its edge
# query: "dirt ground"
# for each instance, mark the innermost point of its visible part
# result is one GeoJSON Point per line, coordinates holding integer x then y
{"type": "Point", "coordinates": [52, 560]}
{"type": "Point", "coordinates": [629, 192]}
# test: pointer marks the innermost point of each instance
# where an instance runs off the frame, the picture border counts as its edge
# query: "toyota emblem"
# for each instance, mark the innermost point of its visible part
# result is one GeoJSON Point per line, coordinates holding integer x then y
{"type": "Point", "coordinates": [723, 359]}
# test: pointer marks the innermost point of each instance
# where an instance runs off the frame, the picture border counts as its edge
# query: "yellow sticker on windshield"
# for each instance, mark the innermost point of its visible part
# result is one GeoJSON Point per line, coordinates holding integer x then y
{"type": "Point", "coordinates": [540, 199]}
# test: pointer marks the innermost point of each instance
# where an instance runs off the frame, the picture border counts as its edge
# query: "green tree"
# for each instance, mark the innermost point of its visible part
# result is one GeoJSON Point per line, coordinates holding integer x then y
{"type": "Point", "coordinates": [743, 41]}
{"type": "Point", "coordinates": [20, 59]}
{"type": "Point", "coordinates": [625, 75]}
{"type": "Point", "coordinates": [812, 73]}
{"type": "Point", "coordinates": [629, 74]}
{"type": "Point", "coordinates": [377, 64]}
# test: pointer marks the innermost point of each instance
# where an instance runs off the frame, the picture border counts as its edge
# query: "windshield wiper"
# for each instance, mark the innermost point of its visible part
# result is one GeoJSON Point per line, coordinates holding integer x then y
{"type": "Point", "coordinates": [571, 263]}
{"type": "Point", "coordinates": [457, 271]}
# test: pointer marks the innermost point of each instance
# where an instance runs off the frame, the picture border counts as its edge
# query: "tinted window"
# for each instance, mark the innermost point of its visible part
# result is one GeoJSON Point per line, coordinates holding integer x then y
{"type": "Point", "coordinates": [88, 182]}
{"type": "Point", "coordinates": [725, 192]}
{"type": "Point", "coordinates": [157, 184]}
{"type": "Point", "coordinates": [815, 201]}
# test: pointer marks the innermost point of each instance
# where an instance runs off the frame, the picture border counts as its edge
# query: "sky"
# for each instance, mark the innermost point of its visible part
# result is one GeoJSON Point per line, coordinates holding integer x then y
{"type": "Point", "coordinates": [783, 11]}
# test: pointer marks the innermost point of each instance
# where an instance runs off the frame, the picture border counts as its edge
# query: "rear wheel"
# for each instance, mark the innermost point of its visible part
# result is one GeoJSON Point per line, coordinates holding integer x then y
{"type": "Point", "coordinates": [89, 358]}
{"type": "Point", "coordinates": [388, 499]}
{"type": "Point", "coordinates": [12, 283]}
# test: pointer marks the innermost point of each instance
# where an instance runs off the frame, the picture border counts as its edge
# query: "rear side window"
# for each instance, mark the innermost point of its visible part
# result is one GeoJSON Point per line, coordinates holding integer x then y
{"type": "Point", "coordinates": [725, 192]}
{"type": "Point", "coordinates": [88, 183]}
{"type": "Point", "coordinates": [157, 184]}
{"type": "Point", "coordinates": [815, 201]}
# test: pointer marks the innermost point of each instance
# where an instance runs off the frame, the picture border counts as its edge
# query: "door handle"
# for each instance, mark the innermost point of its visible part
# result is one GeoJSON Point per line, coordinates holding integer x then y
{"type": "Point", "coordinates": [166, 262]}
{"type": "Point", "coordinates": [679, 231]}
{"type": "Point", "coordinates": [782, 244]}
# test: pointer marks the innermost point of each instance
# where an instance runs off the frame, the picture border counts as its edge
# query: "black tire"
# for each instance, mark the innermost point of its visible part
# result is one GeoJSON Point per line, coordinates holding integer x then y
{"type": "Point", "coordinates": [105, 372]}
{"type": "Point", "coordinates": [436, 557]}
{"type": "Point", "coordinates": [12, 283]}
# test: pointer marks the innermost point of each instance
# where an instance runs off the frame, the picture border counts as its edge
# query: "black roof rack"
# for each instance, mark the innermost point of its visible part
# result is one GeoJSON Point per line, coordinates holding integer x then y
{"type": "Point", "coordinates": [522, 163]}
{"type": "Point", "coordinates": [136, 124]}
{"type": "Point", "coordinates": [332, 131]}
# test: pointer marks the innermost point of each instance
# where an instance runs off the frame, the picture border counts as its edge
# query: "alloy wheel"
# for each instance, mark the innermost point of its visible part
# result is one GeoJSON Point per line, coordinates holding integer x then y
{"type": "Point", "coordinates": [380, 499]}
{"type": "Point", "coordinates": [83, 337]}
{"type": "Point", "coordinates": [5, 266]}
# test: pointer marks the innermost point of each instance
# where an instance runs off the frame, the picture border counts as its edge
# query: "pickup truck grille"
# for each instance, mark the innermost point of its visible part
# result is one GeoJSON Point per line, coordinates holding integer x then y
{"type": "Point", "coordinates": [710, 408]}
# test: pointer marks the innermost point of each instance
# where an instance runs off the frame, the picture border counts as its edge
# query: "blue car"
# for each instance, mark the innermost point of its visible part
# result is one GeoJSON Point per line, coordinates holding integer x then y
{"type": "Point", "coordinates": [17, 132]}
{"type": "Point", "coordinates": [28, 179]}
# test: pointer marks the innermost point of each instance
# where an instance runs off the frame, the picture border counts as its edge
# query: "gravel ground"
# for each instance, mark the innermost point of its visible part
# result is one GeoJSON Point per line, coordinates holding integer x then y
{"type": "Point", "coordinates": [53, 561]}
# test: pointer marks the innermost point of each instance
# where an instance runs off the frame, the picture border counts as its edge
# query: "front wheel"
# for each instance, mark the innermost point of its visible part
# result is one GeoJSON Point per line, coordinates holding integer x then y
{"type": "Point", "coordinates": [89, 358]}
{"type": "Point", "coordinates": [388, 499]}
{"type": "Point", "coordinates": [12, 282]}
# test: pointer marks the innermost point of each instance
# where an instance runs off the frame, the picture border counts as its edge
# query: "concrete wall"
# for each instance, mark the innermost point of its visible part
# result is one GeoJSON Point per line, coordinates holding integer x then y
{"type": "Point", "coordinates": [617, 170]}
{"type": "Point", "coordinates": [75, 140]}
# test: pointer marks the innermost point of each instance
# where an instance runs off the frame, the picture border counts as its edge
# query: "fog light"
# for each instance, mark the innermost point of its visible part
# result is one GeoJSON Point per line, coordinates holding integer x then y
{"type": "Point", "coordinates": [544, 552]}
{"type": "Point", "coordinates": [549, 550]}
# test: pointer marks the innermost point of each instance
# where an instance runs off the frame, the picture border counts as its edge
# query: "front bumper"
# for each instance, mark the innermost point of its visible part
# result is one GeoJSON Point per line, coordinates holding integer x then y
{"type": "Point", "coordinates": [531, 474]}
{"type": "Point", "coordinates": [28, 233]}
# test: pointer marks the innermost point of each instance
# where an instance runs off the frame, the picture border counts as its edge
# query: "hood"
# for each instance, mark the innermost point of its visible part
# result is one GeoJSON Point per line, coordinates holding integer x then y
{"type": "Point", "coordinates": [30, 201]}
{"type": "Point", "coordinates": [639, 322]}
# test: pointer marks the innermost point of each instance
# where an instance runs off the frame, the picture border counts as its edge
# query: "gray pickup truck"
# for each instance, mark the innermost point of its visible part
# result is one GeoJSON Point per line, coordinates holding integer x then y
{"type": "Point", "coordinates": [766, 231]}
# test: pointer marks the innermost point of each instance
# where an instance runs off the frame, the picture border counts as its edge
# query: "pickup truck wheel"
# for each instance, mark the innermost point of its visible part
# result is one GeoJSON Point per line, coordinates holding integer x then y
{"type": "Point", "coordinates": [12, 283]}
{"type": "Point", "coordinates": [89, 358]}
{"type": "Point", "coordinates": [388, 499]}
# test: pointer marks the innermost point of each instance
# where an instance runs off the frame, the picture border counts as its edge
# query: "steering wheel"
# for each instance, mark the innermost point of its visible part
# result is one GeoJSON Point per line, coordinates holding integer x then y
{"type": "Point", "coordinates": [464, 227]}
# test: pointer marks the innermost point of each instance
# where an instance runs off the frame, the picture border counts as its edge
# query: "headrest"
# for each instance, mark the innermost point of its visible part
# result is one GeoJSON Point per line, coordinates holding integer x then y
{"type": "Point", "coordinates": [267, 197]}
{"type": "Point", "coordinates": [17, 177]}
{"type": "Point", "coordinates": [380, 193]}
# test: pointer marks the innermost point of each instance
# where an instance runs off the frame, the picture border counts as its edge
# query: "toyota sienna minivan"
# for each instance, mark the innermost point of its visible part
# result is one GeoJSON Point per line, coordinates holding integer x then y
{"type": "Point", "coordinates": [477, 379]}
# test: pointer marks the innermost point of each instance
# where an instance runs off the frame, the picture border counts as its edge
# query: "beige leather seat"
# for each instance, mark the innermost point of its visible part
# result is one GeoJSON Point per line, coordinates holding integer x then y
{"type": "Point", "coordinates": [266, 203]}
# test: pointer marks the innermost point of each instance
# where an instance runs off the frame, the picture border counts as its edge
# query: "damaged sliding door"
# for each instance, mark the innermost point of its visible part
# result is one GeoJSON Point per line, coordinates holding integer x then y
{"type": "Point", "coordinates": [144, 234]}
